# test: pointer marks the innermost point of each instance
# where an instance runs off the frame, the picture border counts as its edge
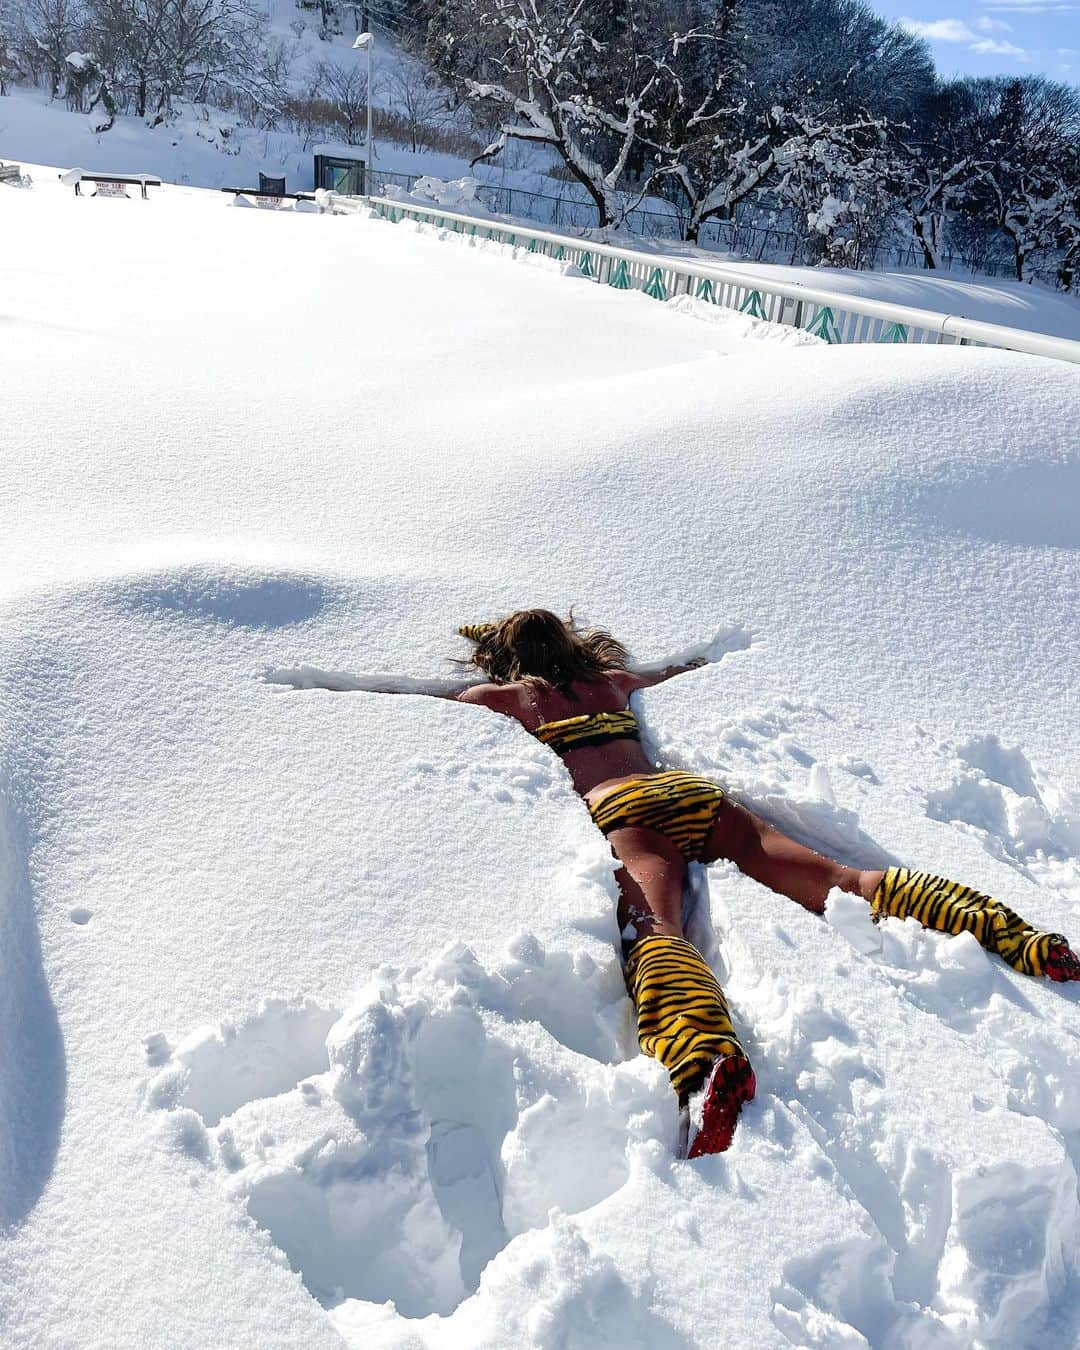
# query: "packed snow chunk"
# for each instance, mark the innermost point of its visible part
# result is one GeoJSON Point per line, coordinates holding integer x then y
{"type": "Point", "coordinates": [852, 916]}
{"type": "Point", "coordinates": [460, 192]}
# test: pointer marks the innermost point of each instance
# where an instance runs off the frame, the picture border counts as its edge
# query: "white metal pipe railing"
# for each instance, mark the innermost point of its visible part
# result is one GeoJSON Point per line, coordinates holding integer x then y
{"type": "Point", "coordinates": [835, 315]}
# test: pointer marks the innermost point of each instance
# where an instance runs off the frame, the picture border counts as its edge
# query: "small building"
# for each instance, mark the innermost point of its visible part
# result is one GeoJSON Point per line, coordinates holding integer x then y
{"type": "Point", "coordinates": [341, 168]}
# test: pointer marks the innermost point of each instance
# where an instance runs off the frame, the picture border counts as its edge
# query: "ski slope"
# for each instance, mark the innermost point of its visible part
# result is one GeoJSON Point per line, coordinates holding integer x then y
{"type": "Point", "coordinates": [312, 1029]}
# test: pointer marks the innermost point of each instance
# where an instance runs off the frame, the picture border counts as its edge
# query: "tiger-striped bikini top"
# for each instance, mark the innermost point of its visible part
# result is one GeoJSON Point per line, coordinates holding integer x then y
{"type": "Point", "coordinates": [575, 733]}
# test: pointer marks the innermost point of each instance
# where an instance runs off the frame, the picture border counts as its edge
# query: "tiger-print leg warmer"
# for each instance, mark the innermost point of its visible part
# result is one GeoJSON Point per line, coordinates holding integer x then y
{"type": "Point", "coordinates": [683, 1018]}
{"type": "Point", "coordinates": [948, 907]}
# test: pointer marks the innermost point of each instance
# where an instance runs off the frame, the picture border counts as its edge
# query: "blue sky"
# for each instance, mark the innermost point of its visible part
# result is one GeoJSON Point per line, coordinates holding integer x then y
{"type": "Point", "coordinates": [996, 37]}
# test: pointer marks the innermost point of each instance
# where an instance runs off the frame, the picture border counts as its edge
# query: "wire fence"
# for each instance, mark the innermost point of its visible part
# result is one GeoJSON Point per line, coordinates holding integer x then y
{"type": "Point", "coordinates": [829, 315]}
{"type": "Point", "coordinates": [747, 239]}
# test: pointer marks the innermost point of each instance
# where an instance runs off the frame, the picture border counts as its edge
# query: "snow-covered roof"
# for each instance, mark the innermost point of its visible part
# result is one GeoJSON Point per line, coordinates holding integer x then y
{"type": "Point", "coordinates": [339, 151]}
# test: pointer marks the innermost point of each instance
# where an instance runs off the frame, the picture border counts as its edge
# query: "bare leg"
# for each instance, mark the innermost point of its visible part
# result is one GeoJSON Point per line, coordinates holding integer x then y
{"type": "Point", "coordinates": [762, 852]}
{"type": "Point", "coordinates": [650, 882]}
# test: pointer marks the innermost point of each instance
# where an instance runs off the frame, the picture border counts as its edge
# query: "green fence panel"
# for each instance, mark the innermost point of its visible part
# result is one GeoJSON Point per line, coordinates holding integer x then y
{"type": "Point", "coordinates": [705, 291]}
{"type": "Point", "coordinates": [587, 265]}
{"type": "Point", "coordinates": [620, 278]}
{"type": "Point", "coordinates": [894, 333]}
{"type": "Point", "coordinates": [824, 325]}
{"type": "Point", "coordinates": [655, 286]}
{"type": "Point", "coordinates": [560, 253]}
{"type": "Point", "coordinates": [752, 305]}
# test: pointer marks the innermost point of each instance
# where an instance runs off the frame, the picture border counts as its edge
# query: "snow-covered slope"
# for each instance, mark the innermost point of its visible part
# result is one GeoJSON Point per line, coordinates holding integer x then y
{"type": "Point", "coordinates": [313, 1030]}
{"type": "Point", "coordinates": [205, 146]}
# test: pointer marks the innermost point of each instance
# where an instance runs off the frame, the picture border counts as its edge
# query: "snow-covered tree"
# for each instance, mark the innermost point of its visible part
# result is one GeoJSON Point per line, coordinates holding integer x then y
{"type": "Point", "coordinates": [344, 87]}
{"type": "Point", "coordinates": [835, 194]}
{"type": "Point", "coordinates": [801, 158]}
{"type": "Point", "coordinates": [936, 158]}
{"type": "Point", "coordinates": [9, 55]}
{"type": "Point", "coordinates": [1027, 184]}
{"type": "Point", "coordinates": [416, 100]}
{"type": "Point", "coordinates": [156, 51]}
{"type": "Point", "coordinates": [44, 32]}
{"type": "Point", "coordinates": [557, 83]}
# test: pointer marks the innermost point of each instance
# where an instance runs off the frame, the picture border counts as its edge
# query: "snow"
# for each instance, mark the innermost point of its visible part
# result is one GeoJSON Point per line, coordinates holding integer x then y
{"type": "Point", "coordinates": [313, 1028]}
{"type": "Point", "coordinates": [208, 147]}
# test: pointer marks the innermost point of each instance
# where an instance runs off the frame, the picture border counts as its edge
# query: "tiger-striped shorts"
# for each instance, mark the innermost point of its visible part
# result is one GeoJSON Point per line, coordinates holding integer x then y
{"type": "Point", "coordinates": [681, 806]}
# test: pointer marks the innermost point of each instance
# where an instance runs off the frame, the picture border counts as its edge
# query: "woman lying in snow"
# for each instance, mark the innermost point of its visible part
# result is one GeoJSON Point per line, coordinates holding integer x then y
{"type": "Point", "coordinates": [571, 690]}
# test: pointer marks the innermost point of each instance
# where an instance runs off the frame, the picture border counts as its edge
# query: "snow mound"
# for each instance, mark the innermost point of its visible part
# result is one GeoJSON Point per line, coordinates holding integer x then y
{"type": "Point", "coordinates": [313, 1024]}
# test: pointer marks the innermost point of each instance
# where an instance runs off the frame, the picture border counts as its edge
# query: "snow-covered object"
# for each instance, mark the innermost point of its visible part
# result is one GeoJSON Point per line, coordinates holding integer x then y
{"type": "Point", "coordinates": [459, 193]}
{"type": "Point", "coordinates": [312, 1025]}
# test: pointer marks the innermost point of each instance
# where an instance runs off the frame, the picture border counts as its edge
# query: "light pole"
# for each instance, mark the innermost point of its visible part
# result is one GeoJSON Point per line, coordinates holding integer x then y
{"type": "Point", "coordinates": [364, 43]}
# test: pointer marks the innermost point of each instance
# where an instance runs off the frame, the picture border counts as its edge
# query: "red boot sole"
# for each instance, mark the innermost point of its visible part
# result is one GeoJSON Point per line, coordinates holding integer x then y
{"type": "Point", "coordinates": [1062, 964]}
{"type": "Point", "coordinates": [731, 1082]}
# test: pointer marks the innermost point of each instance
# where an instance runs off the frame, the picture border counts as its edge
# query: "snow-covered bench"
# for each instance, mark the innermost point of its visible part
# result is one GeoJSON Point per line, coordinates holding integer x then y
{"type": "Point", "coordinates": [275, 199]}
{"type": "Point", "coordinates": [110, 184]}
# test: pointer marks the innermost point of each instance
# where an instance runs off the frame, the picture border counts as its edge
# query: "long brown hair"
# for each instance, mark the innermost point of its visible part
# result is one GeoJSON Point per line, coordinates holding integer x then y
{"type": "Point", "coordinates": [535, 644]}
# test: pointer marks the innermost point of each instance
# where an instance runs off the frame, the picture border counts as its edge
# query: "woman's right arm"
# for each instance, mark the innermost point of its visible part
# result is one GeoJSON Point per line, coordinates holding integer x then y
{"type": "Point", "coordinates": [499, 698]}
{"type": "Point", "coordinates": [342, 681]}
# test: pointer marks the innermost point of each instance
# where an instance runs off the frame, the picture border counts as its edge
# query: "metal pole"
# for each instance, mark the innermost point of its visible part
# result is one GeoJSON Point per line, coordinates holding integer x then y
{"type": "Point", "coordinates": [369, 47]}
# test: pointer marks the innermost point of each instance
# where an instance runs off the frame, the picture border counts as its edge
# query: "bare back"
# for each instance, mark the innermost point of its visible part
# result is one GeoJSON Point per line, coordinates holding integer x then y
{"type": "Point", "coordinates": [592, 767]}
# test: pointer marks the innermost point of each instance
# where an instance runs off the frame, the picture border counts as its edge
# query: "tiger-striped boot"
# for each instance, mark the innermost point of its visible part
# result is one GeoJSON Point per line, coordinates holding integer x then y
{"type": "Point", "coordinates": [683, 1021]}
{"type": "Point", "coordinates": [948, 907]}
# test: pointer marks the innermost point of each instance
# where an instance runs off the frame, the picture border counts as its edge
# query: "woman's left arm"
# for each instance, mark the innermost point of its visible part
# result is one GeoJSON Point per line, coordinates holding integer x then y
{"type": "Point", "coordinates": [730, 639]}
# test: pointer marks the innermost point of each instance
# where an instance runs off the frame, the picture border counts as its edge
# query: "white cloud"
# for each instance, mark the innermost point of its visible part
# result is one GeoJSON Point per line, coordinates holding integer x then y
{"type": "Point", "coordinates": [956, 30]}
{"type": "Point", "coordinates": [940, 30]}
{"type": "Point", "coordinates": [1032, 6]}
{"type": "Point", "coordinates": [993, 47]}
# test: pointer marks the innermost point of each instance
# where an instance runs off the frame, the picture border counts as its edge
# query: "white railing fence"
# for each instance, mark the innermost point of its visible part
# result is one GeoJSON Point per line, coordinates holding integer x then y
{"type": "Point", "coordinates": [831, 315]}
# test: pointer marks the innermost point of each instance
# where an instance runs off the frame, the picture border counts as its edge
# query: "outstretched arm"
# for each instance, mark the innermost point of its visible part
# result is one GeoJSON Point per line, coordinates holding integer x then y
{"type": "Point", "coordinates": [650, 673]}
{"type": "Point", "coordinates": [342, 681]}
{"type": "Point", "coordinates": [645, 677]}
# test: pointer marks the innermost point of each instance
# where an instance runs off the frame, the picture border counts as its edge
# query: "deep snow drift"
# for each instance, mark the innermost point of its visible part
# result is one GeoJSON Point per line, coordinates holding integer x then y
{"type": "Point", "coordinates": [313, 1031]}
